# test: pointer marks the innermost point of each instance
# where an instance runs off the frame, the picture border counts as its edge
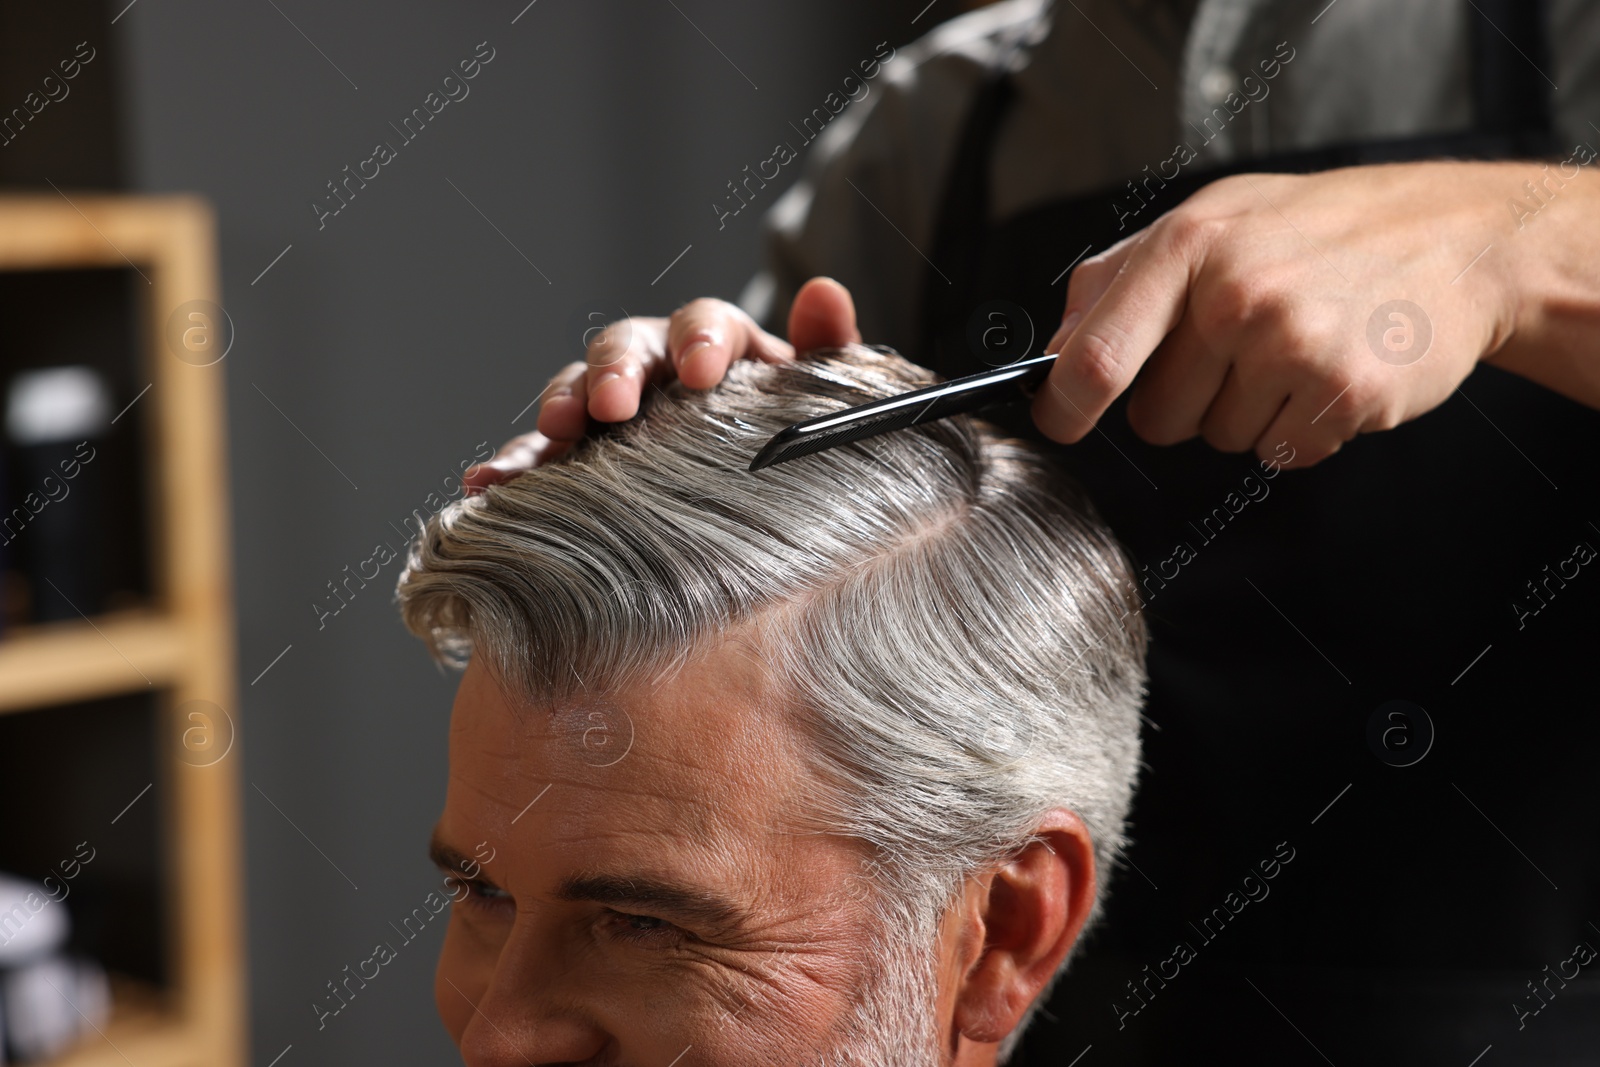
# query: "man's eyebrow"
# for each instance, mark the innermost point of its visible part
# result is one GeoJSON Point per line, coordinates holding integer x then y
{"type": "Point", "coordinates": [695, 905]}
{"type": "Point", "coordinates": [447, 858]}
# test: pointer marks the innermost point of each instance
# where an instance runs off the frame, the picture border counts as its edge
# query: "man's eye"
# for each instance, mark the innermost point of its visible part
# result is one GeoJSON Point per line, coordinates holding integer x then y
{"type": "Point", "coordinates": [483, 895]}
{"type": "Point", "coordinates": [642, 929]}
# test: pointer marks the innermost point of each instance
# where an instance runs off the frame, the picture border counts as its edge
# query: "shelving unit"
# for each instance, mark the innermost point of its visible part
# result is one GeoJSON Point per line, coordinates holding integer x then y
{"type": "Point", "coordinates": [178, 647]}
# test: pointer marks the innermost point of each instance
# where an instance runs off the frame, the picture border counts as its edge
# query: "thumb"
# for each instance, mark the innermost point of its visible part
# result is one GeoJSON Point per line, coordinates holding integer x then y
{"type": "Point", "coordinates": [822, 316]}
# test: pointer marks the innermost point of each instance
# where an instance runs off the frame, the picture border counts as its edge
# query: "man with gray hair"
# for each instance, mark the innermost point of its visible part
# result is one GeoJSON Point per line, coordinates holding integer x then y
{"type": "Point", "coordinates": [822, 764]}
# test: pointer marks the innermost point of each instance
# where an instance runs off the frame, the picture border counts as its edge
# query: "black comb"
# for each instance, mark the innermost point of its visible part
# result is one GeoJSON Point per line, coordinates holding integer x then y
{"type": "Point", "coordinates": [1003, 385]}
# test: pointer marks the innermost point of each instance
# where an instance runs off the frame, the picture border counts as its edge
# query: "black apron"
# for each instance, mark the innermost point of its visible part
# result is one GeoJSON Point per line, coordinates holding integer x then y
{"type": "Point", "coordinates": [1430, 906]}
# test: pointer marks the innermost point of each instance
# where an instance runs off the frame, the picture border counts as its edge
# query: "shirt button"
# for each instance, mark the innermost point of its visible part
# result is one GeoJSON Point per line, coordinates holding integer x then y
{"type": "Point", "coordinates": [1216, 84]}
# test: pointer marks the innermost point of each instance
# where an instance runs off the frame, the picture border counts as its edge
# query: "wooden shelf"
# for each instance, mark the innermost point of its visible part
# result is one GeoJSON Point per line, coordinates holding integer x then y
{"type": "Point", "coordinates": [143, 1030]}
{"type": "Point", "coordinates": [81, 660]}
{"type": "Point", "coordinates": [182, 650]}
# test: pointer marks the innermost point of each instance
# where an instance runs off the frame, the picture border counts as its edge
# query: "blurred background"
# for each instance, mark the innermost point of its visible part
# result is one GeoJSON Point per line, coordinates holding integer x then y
{"type": "Point", "coordinates": [276, 733]}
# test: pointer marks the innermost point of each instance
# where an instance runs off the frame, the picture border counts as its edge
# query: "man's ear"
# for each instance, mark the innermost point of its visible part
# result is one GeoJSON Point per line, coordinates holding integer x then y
{"type": "Point", "coordinates": [1029, 913]}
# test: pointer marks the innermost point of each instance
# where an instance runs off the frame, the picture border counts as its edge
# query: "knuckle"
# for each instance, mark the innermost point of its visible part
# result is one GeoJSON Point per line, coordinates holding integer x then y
{"type": "Point", "coordinates": [1358, 397]}
{"type": "Point", "coordinates": [1339, 416]}
{"type": "Point", "coordinates": [1083, 290]}
{"type": "Point", "coordinates": [1150, 427]}
{"type": "Point", "coordinates": [1307, 454]}
{"type": "Point", "coordinates": [1095, 366]}
{"type": "Point", "coordinates": [1322, 325]}
{"type": "Point", "coordinates": [609, 345]}
{"type": "Point", "coordinates": [1387, 420]}
{"type": "Point", "coordinates": [703, 319]}
{"type": "Point", "coordinates": [1151, 418]}
{"type": "Point", "coordinates": [1279, 313]}
{"type": "Point", "coordinates": [1300, 350]}
{"type": "Point", "coordinates": [568, 374]}
{"type": "Point", "coordinates": [1223, 432]}
{"type": "Point", "coordinates": [1089, 274]}
{"type": "Point", "coordinates": [1235, 185]}
{"type": "Point", "coordinates": [1381, 412]}
{"type": "Point", "coordinates": [1227, 308]}
{"type": "Point", "coordinates": [1222, 438]}
{"type": "Point", "coordinates": [1141, 421]}
{"type": "Point", "coordinates": [1189, 231]}
{"type": "Point", "coordinates": [699, 310]}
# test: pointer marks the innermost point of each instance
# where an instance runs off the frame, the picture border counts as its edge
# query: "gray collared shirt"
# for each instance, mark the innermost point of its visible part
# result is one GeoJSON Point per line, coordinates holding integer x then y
{"type": "Point", "coordinates": [1108, 88]}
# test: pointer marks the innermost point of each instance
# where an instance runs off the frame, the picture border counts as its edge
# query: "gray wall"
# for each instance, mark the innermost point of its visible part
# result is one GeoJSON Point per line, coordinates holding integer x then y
{"type": "Point", "coordinates": [401, 335]}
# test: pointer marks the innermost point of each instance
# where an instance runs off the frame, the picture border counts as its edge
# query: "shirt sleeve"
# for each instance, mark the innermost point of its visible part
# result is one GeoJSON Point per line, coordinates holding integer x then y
{"type": "Point", "coordinates": [863, 209]}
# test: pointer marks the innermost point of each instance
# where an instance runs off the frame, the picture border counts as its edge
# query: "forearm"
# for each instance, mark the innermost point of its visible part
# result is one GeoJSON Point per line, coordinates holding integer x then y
{"type": "Point", "coordinates": [1550, 232]}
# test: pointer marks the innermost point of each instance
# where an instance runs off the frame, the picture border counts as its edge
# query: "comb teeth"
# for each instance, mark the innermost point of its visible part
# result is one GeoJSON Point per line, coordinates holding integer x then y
{"type": "Point", "coordinates": [975, 392]}
{"type": "Point", "coordinates": [805, 444]}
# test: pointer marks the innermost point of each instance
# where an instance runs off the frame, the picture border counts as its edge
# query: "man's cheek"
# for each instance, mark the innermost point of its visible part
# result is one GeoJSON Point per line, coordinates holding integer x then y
{"type": "Point", "coordinates": [768, 1021]}
{"type": "Point", "coordinates": [455, 1011]}
{"type": "Point", "coordinates": [782, 1003]}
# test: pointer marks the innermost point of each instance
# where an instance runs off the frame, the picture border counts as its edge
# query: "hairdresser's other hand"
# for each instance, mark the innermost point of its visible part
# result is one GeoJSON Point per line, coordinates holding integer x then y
{"type": "Point", "coordinates": [695, 344]}
{"type": "Point", "coordinates": [1247, 310]}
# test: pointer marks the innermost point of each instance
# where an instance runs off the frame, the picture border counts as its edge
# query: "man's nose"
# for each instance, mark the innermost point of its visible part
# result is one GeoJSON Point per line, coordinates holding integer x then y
{"type": "Point", "coordinates": [528, 1015]}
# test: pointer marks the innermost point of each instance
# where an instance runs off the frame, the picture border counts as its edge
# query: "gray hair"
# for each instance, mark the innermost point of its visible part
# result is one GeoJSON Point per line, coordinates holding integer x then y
{"type": "Point", "coordinates": [960, 634]}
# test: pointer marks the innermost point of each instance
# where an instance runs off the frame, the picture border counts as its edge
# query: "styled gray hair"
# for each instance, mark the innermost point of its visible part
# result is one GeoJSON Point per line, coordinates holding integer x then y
{"type": "Point", "coordinates": [960, 634]}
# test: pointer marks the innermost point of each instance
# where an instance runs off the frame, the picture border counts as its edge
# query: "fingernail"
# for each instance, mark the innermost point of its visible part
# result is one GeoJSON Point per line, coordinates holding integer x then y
{"type": "Point", "coordinates": [606, 377]}
{"type": "Point", "coordinates": [1059, 341]}
{"type": "Point", "coordinates": [563, 393]}
{"type": "Point", "coordinates": [693, 352]}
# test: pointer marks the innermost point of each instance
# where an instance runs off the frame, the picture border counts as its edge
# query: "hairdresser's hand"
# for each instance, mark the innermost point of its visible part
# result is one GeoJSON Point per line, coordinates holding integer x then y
{"type": "Point", "coordinates": [696, 344]}
{"type": "Point", "coordinates": [1246, 310]}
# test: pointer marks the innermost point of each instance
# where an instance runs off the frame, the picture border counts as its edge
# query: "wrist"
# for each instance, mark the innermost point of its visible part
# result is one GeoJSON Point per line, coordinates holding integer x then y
{"type": "Point", "coordinates": [1550, 289]}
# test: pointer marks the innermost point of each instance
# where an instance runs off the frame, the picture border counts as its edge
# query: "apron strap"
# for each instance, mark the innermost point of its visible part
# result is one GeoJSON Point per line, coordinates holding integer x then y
{"type": "Point", "coordinates": [962, 224]}
{"type": "Point", "coordinates": [1510, 55]}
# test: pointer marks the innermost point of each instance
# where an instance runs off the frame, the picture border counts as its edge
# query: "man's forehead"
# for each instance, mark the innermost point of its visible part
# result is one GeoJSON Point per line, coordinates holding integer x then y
{"type": "Point", "coordinates": [709, 735]}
